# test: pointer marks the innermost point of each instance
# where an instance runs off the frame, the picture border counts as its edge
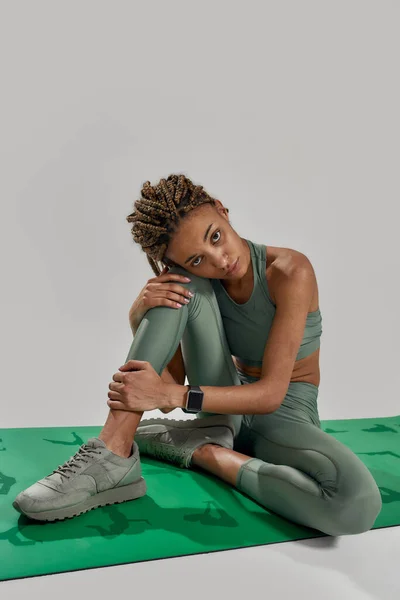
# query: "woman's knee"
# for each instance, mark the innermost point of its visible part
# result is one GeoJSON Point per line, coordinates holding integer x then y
{"type": "Point", "coordinates": [205, 348]}
{"type": "Point", "coordinates": [196, 283]}
{"type": "Point", "coordinates": [354, 501]}
{"type": "Point", "coordinates": [204, 301]}
{"type": "Point", "coordinates": [356, 512]}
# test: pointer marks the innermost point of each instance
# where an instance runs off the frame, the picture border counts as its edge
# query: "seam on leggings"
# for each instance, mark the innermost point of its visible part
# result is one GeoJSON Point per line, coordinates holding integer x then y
{"type": "Point", "coordinates": [244, 468]}
{"type": "Point", "coordinates": [179, 340]}
{"type": "Point", "coordinates": [338, 475]}
{"type": "Point", "coordinates": [240, 472]}
{"type": "Point", "coordinates": [230, 365]}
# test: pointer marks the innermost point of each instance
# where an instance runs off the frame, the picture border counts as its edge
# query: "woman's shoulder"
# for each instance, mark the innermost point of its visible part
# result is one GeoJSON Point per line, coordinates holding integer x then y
{"type": "Point", "coordinates": [282, 263]}
{"type": "Point", "coordinates": [284, 260]}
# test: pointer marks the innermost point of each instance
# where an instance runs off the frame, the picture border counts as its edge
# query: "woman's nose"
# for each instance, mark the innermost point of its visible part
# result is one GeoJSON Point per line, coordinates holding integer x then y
{"type": "Point", "coordinates": [222, 264]}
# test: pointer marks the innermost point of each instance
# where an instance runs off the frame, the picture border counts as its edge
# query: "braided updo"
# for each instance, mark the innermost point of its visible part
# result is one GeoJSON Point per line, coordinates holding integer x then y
{"type": "Point", "coordinates": [159, 211]}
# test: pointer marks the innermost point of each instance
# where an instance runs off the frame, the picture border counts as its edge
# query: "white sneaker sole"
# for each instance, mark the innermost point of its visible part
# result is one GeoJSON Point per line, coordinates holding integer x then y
{"type": "Point", "coordinates": [124, 493]}
{"type": "Point", "coordinates": [215, 420]}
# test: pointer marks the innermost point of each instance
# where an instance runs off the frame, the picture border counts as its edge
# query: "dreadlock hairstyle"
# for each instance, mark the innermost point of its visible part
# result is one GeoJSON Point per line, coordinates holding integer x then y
{"type": "Point", "coordinates": [159, 211]}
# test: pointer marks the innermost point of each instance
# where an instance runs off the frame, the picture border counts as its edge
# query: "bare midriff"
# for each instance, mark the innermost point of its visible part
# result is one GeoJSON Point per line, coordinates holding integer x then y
{"type": "Point", "coordinates": [305, 369]}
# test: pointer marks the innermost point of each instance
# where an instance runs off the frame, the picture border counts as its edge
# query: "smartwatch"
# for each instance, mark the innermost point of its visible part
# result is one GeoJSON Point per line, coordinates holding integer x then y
{"type": "Point", "coordinates": [194, 399]}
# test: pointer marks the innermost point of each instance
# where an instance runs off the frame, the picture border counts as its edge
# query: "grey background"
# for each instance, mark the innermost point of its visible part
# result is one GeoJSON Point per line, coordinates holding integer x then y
{"type": "Point", "coordinates": [288, 112]}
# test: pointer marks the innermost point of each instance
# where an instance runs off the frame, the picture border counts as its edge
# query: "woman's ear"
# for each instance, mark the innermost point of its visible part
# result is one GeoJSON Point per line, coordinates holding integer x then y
{"type": "Point", "coordinates": [221, 208]}
{"type": "Point", "coordinates": [167, 263]}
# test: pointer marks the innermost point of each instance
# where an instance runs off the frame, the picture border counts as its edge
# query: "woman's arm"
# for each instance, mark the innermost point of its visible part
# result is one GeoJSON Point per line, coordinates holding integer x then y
{"type": "Point", "coordinates": [293, 297]}
{"type": "Point", "coordinates": [258, 398]}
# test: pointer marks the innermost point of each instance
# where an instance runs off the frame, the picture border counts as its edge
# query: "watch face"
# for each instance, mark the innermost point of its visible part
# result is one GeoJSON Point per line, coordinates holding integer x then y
{"type": "Point", "coordinates": [195, 400]}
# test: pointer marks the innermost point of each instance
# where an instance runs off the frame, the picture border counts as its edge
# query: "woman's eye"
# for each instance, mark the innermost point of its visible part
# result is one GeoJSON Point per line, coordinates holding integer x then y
{"type": "Point", "coordinates": [194, 264]}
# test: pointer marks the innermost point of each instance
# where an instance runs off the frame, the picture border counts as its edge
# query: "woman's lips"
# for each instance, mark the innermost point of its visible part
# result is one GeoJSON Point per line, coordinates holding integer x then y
{"type": "Point", "coordinates": [233, 270]}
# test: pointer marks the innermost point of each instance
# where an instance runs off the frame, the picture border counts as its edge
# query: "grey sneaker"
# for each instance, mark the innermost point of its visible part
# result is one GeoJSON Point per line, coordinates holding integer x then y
{"type": "Point", "coordinates": [93, 477]}
{"type": "Point", "coordinates": [175, 441]}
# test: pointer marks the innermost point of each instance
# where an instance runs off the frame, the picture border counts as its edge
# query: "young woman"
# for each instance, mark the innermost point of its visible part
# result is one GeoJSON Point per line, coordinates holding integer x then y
{"type": "Point", "coordinates": [249, 338]}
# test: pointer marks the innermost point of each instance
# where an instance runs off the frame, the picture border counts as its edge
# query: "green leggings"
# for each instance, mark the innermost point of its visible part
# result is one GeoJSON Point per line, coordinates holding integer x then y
{"type": "Point", "coordinates": [294, 469]}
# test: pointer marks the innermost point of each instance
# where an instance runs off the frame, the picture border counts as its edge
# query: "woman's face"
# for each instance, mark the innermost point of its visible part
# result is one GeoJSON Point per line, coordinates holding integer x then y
{"type": "Point", "coordinates": [206, 244]}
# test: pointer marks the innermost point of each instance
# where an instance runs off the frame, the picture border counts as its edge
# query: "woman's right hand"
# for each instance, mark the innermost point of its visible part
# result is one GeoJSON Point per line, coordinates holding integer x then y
{"type": "Point", "coordinates": [162, 290]}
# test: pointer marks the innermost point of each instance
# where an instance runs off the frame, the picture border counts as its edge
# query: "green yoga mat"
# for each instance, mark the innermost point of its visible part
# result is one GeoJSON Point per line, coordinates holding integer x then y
{"type": "Point", "coordinates": [184, 512]}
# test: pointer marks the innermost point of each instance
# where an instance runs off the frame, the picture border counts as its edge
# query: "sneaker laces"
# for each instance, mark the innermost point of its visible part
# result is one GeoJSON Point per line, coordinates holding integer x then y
{"type": "Point", "coordinates": [84, 453]}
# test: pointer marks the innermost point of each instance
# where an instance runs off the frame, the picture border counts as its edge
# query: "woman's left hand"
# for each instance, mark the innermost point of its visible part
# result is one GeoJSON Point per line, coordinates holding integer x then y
{"type": "Point", "coordinates": [137, 387]}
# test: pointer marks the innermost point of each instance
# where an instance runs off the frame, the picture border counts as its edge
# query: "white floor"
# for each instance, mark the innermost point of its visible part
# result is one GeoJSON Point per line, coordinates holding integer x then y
{"type": "Point", "coordinates": [359, 567]}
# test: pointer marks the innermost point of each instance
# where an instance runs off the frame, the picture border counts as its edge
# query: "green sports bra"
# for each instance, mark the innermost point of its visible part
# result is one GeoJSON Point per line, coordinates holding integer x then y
{"type": "Point", "coordinates": [247, 325]}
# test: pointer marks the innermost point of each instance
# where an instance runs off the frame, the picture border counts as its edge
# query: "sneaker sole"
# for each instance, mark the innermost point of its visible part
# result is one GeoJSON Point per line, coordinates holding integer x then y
{"type": "Point", "coordinates": [215, 420]}
{"type": "Point", "coordinates": [134, 490]}
{"type": "Point", "coordinates": [221, 422]}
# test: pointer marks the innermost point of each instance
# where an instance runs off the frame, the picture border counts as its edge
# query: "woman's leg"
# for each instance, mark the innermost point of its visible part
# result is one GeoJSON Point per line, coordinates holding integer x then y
{"type": "Point", "coordinates": [295, 469]}
{"type": "Point", "coordinates": [304, 474]}
{"type": "Point", "coordinates": [119, 430]}
{"type": "Point", "coordinates": [207, 358]}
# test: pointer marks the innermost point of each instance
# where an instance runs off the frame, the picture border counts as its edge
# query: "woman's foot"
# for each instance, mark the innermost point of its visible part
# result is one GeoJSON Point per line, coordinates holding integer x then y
{"type": "Point", "coordinates": [95, 476]}
{"type": "Point", "coordinates": [176, 440]}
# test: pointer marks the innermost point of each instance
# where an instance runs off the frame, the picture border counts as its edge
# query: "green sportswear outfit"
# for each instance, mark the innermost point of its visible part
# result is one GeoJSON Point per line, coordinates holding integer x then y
{"type": "Point", "coordinates": [295, 468]}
